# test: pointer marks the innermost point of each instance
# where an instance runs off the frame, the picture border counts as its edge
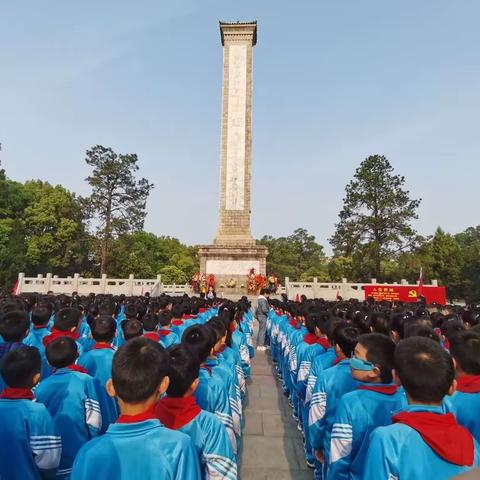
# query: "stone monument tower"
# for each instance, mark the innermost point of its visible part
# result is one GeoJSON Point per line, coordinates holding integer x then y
{"type": "Point", "coordinates": [234, 251]}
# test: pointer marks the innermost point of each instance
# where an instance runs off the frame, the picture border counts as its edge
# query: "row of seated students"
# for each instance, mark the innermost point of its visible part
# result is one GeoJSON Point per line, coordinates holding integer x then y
{"type": "Point", "coordinates": [380, 391]}
{"type": "Point", "coordinates": [105, 387]}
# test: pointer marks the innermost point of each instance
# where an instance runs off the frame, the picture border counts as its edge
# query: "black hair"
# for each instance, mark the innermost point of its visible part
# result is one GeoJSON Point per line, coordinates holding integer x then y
{"type": "Point", "coordinates": [131, 311]}
{"type": "Point", "coordinates": [165, 318]}
{"type": "Point", "coordinates": [67, 318]}
{"type": "Point", "coordinates": [451, 326]}
{"type": "Point", "coordinates": [138, 368]}
{"type": "Point", "coordinates": [424, 368]}
{"type": "Point", "coordinates": [177, 310]}
{"type": "Point", "coordinates": [41, 315]}
{"type": "Point", "coordinates": [379, 323]}
{"type": "Point", "coordinates": [264, 291]}
{"type": "Point", "coordinates": [380, 352]}
{"type": "Point", "coordinates": [419, 329]}
{"type": "Point", "coordinates": [62, 352]}
{"type": "Point", "coordinates": [200, 339]}
{"type": "Point", "coordinates": [217, 324]}
{"type": "Point", "coordinates": [465, 349]}
{"type": "Point", "coordinates": [183, 370]}
{"type": "Point", "coordinates": [14, 326]}
{"type": "Point", "coordinates": [19, 366]}
{"type": "Point", "coordinates": [346, 338]}
{"type": "Point", "coordinates": [104, 328]}
{"type": "Point", "coordinates": [150, 322]}
{"type": "Point", "coordinates": [132, 329]}
{"type": "Point", "coordinates": [397, 323]}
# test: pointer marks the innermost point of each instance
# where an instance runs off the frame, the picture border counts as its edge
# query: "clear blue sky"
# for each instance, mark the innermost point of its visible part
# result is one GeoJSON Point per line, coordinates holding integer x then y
{"type": "Point", "coordinates": [334, 81]}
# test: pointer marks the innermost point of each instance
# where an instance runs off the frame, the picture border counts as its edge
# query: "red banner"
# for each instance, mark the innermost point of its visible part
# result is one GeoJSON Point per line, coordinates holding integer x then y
{"type": "Point", "coordinates": [405, 293]}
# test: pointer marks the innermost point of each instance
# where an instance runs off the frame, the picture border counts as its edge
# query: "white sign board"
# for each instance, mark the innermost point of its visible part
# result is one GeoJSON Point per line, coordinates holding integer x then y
{"type": "Point", "coordinates": [232, 267]}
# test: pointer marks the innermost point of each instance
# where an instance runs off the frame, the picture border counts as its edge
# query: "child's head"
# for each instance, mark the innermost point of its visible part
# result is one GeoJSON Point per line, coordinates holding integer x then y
{"type": "Point", "coordinates": [200, 339]}
{"type": "Point", "coordinates": [41, 316]}
{"type": "Point", "coordinates": [62, 352]}
{"type": "Point", "coordinates": [373, 358]}
{"type": "Point", "coordinates": [21, 367]}
{"type": "Point", "coordinates": [183, 371]}
{"type": "Point", "coordinates": [139, 372]}
{"type": "Point", "coordinates": [465, 349]}
{"type": "Point", "coordinates": [380, 323]}
{"type": "Point", "coordinates": [165, 318]}
{"type": "Point", "coordinates": [150, 322]}
{"type": "Point", "coordinates": [177, 310]}
{"type": "Point", "coordinates": [131, 311]}
{"type": "Point", "coordinates": [67, 319]}
{"type": "Point", "coordinates": [345, 339]}
{"type": "Point", "coordinates": [104, 328]}
{"type": "Point", "coordinates": [14, 326]}
{"type": "Point", "coordinates": [132, 329]}
{"type": "Point", "coordinates": [217, 325]}
{"type": "Point", "coordinates": [425, 370]}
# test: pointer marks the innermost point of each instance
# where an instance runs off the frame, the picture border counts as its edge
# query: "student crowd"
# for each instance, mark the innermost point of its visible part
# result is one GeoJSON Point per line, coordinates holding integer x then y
{"type": "Point", "coordinates": [122, 388]}
{"type": "Point", "coordinates": [380, 391]}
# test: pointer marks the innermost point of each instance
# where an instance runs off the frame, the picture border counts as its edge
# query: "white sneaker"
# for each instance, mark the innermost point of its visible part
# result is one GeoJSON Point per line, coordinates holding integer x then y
{"type": "Point", "coordinates": [261, 349]}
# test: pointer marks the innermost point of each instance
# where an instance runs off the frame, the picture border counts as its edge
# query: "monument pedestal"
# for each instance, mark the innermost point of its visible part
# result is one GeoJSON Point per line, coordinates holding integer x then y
{"type": "Point", "coordinates": [232, 263]}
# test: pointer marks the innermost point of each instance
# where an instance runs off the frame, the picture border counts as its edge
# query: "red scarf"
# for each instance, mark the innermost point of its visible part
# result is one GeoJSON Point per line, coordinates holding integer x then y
{"type": "Point", "coordinates": [222, 348]}
{"type": "Point", "coordinates": [58, 334]}
{"type": "Point", "coordinates": [101, 345]}
{"type": "Point", "coordinates": [442, 434]}
{"type": "Point", "coordinates": [385, 389]}
{"type": "Point", "coordinates": [139, 417]}
{"type": "Point", "coordinates": [177, 322]}
{"type": "Point", "coordinates": [337, 360]}
{"type": "Point", "coordinates": [208, 369]}
{"type": "Point", "coordinates": [152, 336]}
{"type": "Point", "coordinates": [468, 383]}
{"type": "Point", "coordinates": [233, 327]}
{"type": "Point", "coordinates": [77, 368]}
{"type": "Point", "coordinates": [174, 413]}
{"type": "Point", "coordinates": [37, 327]}
{"type": "Point", "coordinates": [202, 310]}
{"type": "Point", "coordinates": [12, 393]}
{"type": "Point", "coordinates": [164, 332]}
{"type": "Point", "coordinates": [311, 339]}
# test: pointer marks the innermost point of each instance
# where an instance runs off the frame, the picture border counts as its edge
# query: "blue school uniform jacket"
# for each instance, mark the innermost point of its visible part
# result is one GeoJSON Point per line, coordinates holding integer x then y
{"type": "Point", "coordinates": [168, 338]}
{"type": "Point", "coordinates": [143, 450]}
{"type": "Point", "coordinates": [212, 396]}
{"type": "Point", "coordinates": [71, 398]}
{"type": "Point", "coordinates": [332, 384]}
{"type": "Point", "coordinates": [399, 452]}
{"type": "Point", "coordinates": [98, 363]}
{"type": "Point", "coordinates": [466, 408]}
{"type": "Point", "coordinates": [319, 364]}
{"type": "Point", "coordinates": [358, 414]}
{"type": "Point", "coordinates": [31, 446]}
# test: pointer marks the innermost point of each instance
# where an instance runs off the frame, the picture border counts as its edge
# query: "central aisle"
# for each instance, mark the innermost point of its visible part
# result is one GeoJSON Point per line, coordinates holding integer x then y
{"type": "Point", "coordinates": [272, 445]}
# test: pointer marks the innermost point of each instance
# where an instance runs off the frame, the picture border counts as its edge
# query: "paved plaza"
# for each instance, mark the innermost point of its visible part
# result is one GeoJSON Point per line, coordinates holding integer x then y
{"type": "Point", "coordinates": [272, 445]}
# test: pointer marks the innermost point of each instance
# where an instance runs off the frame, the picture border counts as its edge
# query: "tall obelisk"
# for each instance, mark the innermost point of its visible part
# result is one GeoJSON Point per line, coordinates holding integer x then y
{"type": "Point", "coordinates": [234, 251]}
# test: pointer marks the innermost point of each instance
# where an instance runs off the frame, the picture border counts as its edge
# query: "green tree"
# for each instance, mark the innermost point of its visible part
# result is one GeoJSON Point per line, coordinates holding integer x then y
{"type": "Point", "coordinates": [172, 274]}
{"type": "Point", "coordinates": [375, 221]}
{"type": "Point", "coordinates": [118, 199]}
{"type": "Point", "coordinates": [469, 242]}
{"type": "Point", "coordinates": [55, 236]}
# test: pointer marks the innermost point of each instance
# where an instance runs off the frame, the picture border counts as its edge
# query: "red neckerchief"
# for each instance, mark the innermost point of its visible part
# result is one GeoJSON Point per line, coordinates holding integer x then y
{"type": "Point", "coordinates": [101, 345]}
{"type": "Point", "coordinates": [77, 368]}
{"type": "Point", "coordinates": [468, 383]}
{"type": "Point", "coordinates": [385, 389]}
{"type": "Point", "coordinates": [174, 413]}
{"type": "Point", "coordinates": [233, 327]}
{"type": "Point", "coordinates": [337, 361]}
{"type": "Point", "coordinates": [208, 369]}
{"type": "Point", "coordinates": [12, 393]}
{"type": "Point", "coordinates": [177, 322]}
{"type": "Point", "coordinates": [58, 334]}
{"type": "Point", "coordinates": [164, 332]}
{"type": "Point", "coordinates": [442, 434]}
{"type": "Point", "coordinates": [293, 322]}
{"type": "Point", "coordinates": [446, 344]}
{"type": "Point", "coordinates": [202, 310]}
{"type": "Point", "coordinates": [311, 339]}
{"type": "Point", "coordinates": [187, 317]}
{"type": "Point", "coordinates": [139, 417]}
{"type": "Point", "coordinates": [222, 348]}
{"type": "Point", "coordinates": [37, 327]}
{"type": "Point", "coordinates": [152, 336]}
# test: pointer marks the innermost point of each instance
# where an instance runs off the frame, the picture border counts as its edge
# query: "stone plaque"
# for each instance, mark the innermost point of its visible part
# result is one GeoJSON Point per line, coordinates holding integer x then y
{"type": "Point", "coordinates": [232, 267]}
{"type": "Point", "coordinates": [237, 98]}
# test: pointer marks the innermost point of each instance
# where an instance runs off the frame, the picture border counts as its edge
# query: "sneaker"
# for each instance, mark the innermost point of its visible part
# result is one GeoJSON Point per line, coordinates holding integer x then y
{"type": "Point", "coordinates": [310, 464]}
{"type": "Point", "coordinates": [261, 349]}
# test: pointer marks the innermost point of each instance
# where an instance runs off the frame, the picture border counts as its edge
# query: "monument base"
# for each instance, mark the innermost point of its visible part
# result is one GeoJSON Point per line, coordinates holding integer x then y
{"type": "Point", "coordinates": [232, 264]}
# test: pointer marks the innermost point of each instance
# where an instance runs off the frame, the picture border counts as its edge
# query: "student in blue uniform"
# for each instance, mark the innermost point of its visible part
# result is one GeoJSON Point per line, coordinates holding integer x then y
{"type": "Point", "coordinates": [14, 327]}
{"type": "Point", "coordinates": [465, 402]}
{"type": "Point", "coordinates": [40, 317]}
{"type": "Point", "coordinates": [331, 385]}
{"type": "Point", "coordinates": [31, 446]}
{"type": "Point", "coordinates": [138, 445]}
{"type": "Point", "coordinates": [98, 363]}
{"type": "Point", "coordinates": [362, 410]}
{"type": "Point", "coordinates": [66, 324]}
{"type": "Point", "coordinates": [211, 393]}
{"type": "Point", "coordinates": [150, 327]}
{"type": "Point", "coordinates": [423, 441]}
{"type": "Point", "coordinates": [71, 397]}
{"type": "Point", "coordinates": [167, 336]}
{"type": "Point", "coordinates": [180, 411]}
{"type": "Point", "coordinates": [132, 329]}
